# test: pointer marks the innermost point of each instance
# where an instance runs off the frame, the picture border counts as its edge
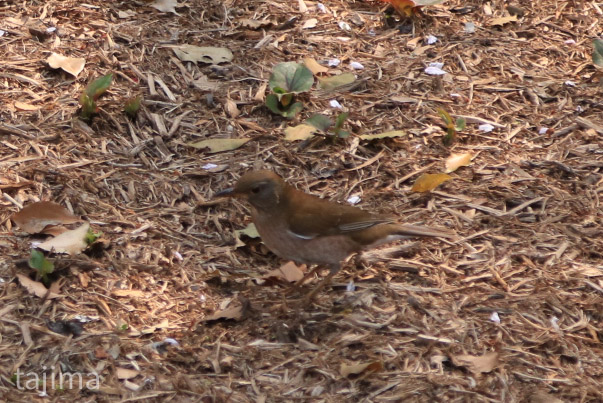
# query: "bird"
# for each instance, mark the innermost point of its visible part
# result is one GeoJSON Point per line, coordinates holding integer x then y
{"type": "Point", "coordinates": [304, 228]}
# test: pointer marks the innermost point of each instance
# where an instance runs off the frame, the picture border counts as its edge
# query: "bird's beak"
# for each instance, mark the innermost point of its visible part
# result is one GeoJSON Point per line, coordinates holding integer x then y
{"type": "Point", "coordinates": [225, 193]}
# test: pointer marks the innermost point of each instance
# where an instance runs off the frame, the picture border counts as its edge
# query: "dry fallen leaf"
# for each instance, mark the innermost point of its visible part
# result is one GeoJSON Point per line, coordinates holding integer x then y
{"type": "Point", "coordinates": [166, 6]}
{"type": "Point", "coordinates": [126, 373]}
{"type": "Point", "coordinates": [289, 272]}
{"type": "Point", "coordinates": [299, 132]}
{"type": "Point", "coordinates": [72, 65]}
{"type": "Point", "coordinates": [36, 288]}
{"type": "Point", "coordinates": [210, 55]}
{"type": "Point", "coordinates": [231, 313]}
{"type": "Point", "coordinates": [314, 66]}
{"type": "Point", "coordinates": [477, 364]}
{"type": "Point", "coordinates": [128, 293]}
{"type": "Point", "coordinates": [503, 20]}
{"type": "Point", "coordinates": [261, 92]}
{"type": "Point", "coordinates": [70, 242]}
{"type": "Point", "coordinates": [355, 369]}
{"type": "Point", "coordinates": [231, 108]}
{"type": "Point", "coordinates": [455, 161]}
{"type": "Point", "coordinates": [34, 217]}
{"type": "Point", "coordinates": [428, 182]}
{"type": "Point", "coordinates": [219, 145]}
{"type": "Point", "coordinates": [249, 231]}
{"type": "Point", "coordinates": [393, 133]}
{"type": "Point", "coordinates": [311, 23]}
{"type": "Point", "coordinates": [302, 6]}
{"type": "Point", "coordinates": [22, 106]}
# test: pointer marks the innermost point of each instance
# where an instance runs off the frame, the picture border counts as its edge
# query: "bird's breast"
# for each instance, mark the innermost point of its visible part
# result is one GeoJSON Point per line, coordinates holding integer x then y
{"type": "Point", "coordinates": [276, 235]}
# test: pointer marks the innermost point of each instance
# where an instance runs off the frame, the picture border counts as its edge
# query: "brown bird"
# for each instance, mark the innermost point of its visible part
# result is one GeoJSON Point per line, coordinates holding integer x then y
{"type": "Point", "coordinates": [306, 229]}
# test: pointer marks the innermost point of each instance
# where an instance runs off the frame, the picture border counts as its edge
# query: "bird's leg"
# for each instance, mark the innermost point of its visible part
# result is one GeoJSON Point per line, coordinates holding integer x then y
{"type": "Point", "coordinates": [306, 276]}
{"type": "Point", "coordinates": [332, 272]}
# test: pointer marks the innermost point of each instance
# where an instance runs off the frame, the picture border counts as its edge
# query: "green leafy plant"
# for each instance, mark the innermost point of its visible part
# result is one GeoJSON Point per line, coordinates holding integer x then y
{"type": "Point", "coordinates": [92, 236]}
{"type": "Point", "coordinates": [287, 80]}
{"type": "Point", "coordinates": [132, 106]}
{"type": "Point", "coordinates": [38, 261]}
{"type": "Point", "coordinates": [323, 123]}
{"type": "Point", "coordinates": [452, 127]}
{"type": "Point", "coordinates": [94, 90]}
{"type": "Point", "coordinates": [598, 52]}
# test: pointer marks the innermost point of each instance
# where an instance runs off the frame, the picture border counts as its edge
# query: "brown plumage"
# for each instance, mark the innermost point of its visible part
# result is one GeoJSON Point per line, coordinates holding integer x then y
{"type": "Point", "coordinates": [304, 228]}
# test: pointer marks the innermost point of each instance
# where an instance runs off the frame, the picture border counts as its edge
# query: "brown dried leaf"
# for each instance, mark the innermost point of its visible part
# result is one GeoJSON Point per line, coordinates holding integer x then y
{"type": "Point", "coordinates": [22, 106]}
{"type": "Point", "coordinates": [261, 92]}
{"type": "Point", "coordinates": [72, 65]}
{"type": "Point", "coordinates": [128, 293]}
{"type": "Point", "coordinates": [166, 6]}
{"type": "Point", "coordinates": [231, 313]}
{"type": "Point", "coordinates": [34, 217]}
{"type": "Point", "coordinates": [503, 20]}
{"type": "Point", "coordinates": [289, 272]}
{"type": "Point", "coordinates": [455, 161]}
{"type": "Point", "coordinates": [219, 145]}
{"type": "Point", "coordinates": [36, 288]}
{"type": "Point", "coordinates": [232, 109]}
{"type": "Point", "coordinates": [311, 23]}
{"type": "Point", "coordinates": [314, 66]}
{"type": "Point", "coordinates": [477, 364]}
{"type": "Point", "coordinates": [126, 373]}
{"type": "Point", "coordinates": [356, 369]}
{"type": "Point", "coordinates": [70, 242]}
{"type": "Point", "coordinates": [428, 182]}
{"type": "Point", "coordinates": [299, 132]}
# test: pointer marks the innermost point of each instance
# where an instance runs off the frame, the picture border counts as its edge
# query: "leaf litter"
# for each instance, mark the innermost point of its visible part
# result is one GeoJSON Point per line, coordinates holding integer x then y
{"type": "Point", "coordinates": [527, 209]}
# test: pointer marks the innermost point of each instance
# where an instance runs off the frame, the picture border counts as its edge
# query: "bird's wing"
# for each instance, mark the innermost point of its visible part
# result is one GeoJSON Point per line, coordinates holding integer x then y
{"type": "Point", "coordinates": [312, 217]}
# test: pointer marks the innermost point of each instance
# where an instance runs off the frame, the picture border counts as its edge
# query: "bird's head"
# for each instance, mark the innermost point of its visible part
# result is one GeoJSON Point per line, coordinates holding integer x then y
{"type": "Point", "coordinates": [263, 189]}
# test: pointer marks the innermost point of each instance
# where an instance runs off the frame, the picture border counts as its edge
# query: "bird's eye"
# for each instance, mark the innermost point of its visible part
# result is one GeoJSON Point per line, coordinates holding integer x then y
{"type": "Point", "coordinates": [255, 189]}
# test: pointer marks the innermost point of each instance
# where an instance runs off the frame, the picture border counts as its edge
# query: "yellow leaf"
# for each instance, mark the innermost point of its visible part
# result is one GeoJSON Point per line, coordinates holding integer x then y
{"type": "Point", "coordinates": [299, 132]}
{"type": "Point", "coordinates": [314, 66]}
{"type": "Point", "coordinates": [455, 161]}
{"type": "Point", "coordinates": [219, 145]}
{"type": "Point", "coordinates": [394, 133]}
{"type": "Point", "coordinates": [428, 182]}
{"type": "Point", "coordinates": [503, 20]}
{"type": "Point", "coordinates": [331, 83]}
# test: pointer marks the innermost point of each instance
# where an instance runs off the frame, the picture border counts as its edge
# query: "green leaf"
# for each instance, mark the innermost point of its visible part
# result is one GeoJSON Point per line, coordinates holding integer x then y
{"type": "Point", "coordinates": [334, 82]}
{"type": "Point", "coordinates": [299, 132]}
{"type": "Point", "coordinates": [219, 145]}
{"type": "Point", "coordinates": [273, 104]}
{"type": "Point", "coordinates": [288, 111]}
{"type": "Point", "coordinates": [321, 122]}
{"type": "Point", "coordinates": [598, 52]}
{"type": "Point", "coordinates": [97, 87]}
{"type": "Point", "coordinates": [460, 124]}
{"type": "Point", "coordinates": [88, 106]}
{"type": "Point", "coordinates": [38, 261]}
{"type": "Point", "coordinates": [340, 121]}
{"type": "Point", "coordinates": [291, 77]}
{"type": "Point", "coordinates": [293, 110]}
{"type": "Point", "coordinates": [395, 133]}
{"type": "Point", "coordinates": [92, 236]}
{"type": "Point", "coordinates": [132, 106]}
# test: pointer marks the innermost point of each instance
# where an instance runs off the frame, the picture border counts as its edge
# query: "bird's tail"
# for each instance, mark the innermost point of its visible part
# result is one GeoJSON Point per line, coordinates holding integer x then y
{"type": "Point", "coordinates": [419, 231]}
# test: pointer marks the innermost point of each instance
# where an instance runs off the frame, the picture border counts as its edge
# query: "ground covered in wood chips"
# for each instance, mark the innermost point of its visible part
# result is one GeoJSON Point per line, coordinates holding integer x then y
{"type": "Point", "coordinates": [511, 311]}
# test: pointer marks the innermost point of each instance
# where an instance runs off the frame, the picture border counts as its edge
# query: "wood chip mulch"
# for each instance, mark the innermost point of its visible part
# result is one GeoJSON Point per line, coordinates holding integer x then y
{"type": "Point", "coordinates": [173, 311]}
